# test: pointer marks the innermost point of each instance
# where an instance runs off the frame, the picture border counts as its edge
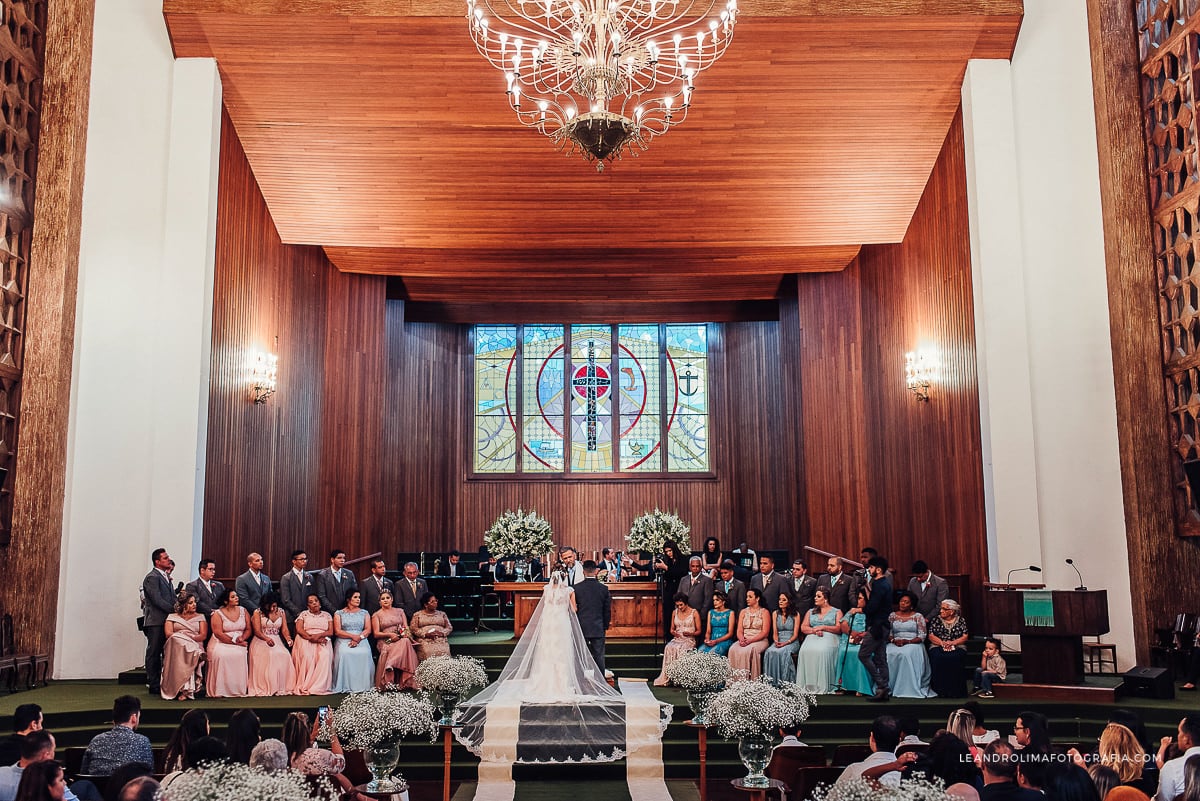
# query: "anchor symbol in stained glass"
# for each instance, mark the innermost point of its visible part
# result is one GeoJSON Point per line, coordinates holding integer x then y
{"type": "Point", "coordinates": [687, 378]}
{"type": "Point", "coordinates": [591, 381]}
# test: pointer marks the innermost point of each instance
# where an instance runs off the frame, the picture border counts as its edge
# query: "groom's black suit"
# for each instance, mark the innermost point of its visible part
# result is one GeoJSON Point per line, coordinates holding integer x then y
{"type": "Point", "coordinates": [593, 607]}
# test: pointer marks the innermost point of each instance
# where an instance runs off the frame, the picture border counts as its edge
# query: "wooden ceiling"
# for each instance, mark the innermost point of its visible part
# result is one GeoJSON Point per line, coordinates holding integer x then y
{"type": "Point", "coordinates": [376, 131]}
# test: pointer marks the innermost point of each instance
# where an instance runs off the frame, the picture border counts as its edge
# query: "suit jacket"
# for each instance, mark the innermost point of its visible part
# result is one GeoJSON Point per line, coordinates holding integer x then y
{"type": "Point", "coordinates": [841, 595]}
{"type": "Point", "coordinates": [370, 593]}
{"type": "Point", "coordinates": [160, 598]}
{"type": "Point", "coordinates": [294, 593]}
{"type": "Point", "coordinates": [444, 568]}
{"type": "Point", "coordinates": [408, 599]}
{"type": "Point", "coordinates": [879, 605]}
{"type": "Point", "coordinates": [249, 591]}
{"type": "Point", "coordinates": [802, 598]}
{"type": "Point", "coordinates": [735, 595]}
{"type": "Point", "coordinates": [333, 592]}
{"type": "Point", "coordinates": [699, 596]}
{"type": "Point", "coordinates": [206, 602]}
{"type": "Point", "coordinates": [929, 601]}
{"type": "Point", "coordinates": [575, 575]}
{"type": "Point", "coordinates": [594, 607]}
{"type": "Point", "coordinates": [769, 594]}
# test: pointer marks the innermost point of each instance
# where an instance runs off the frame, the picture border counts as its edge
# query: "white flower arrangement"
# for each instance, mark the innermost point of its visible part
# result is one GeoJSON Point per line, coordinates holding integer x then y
{"type": "Point", "coordinates": [699, 670]}
{"type": "Point", "coordinates": [364, 720]}
{"type": "Point", "coordinates": [451, 675]}
{"type": "Point", "coordinates": [651, 530]}
{"type": "Point", "coordinates": [760, 707]}
{"type": "Point", "coordinates": [860, 789]}
{"type": "Point", "coordinates": [226, 781]}
{"type": "Point", "coordinates": [519, 535]}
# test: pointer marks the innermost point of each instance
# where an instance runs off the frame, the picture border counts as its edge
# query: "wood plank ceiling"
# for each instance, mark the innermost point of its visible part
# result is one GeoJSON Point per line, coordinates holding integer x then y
{"type": "Point", "coordinates": [377, 132]}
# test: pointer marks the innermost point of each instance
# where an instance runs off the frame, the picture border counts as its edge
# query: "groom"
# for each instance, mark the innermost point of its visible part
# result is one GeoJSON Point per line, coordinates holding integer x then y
{"type": "Point", "coordinates": [593, 607]}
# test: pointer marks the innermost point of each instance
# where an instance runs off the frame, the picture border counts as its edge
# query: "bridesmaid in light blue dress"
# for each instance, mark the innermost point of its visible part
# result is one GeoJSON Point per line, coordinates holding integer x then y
{"type": "Point", "coordinates": [785, 641]}
{"type": "Point", "coordinates": [720, 631]}
{"type": "Point", "coordinates": [816, 670]}
{"type": "Point", "coordinates": [353, 665]}
{"type": "Point", "coordinates": [908, 663]}
{"type": "Point", "coordinates": [852, 675]}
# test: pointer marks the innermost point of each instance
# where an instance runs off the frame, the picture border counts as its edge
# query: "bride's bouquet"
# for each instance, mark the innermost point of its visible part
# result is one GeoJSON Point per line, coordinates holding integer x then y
{"type": "Point", "coordinates": [519, 535]}
{"type": "Point", "coordinates": [651, 530]}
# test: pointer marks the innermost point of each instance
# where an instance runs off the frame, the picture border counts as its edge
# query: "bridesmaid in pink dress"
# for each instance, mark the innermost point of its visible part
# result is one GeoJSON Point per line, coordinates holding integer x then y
{"type": "Point", "coordinates": [271, 669]}
{"type": "Point", "coordinates": [312, 653]}
{"type": "Point", "coordinates": [685, 625]}
{"type": "Point", "coordinates": [228, 671]}
{"type": "Point", "coordinates": [183, 655]}
{"type": "Point", "coordinates": [753, 631]}
{"type": "Point", "coordinates": [397, 659]}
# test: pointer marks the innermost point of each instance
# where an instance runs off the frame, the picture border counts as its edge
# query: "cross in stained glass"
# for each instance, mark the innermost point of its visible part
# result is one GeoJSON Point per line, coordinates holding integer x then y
{"type": "Point", "coordinates": [591, 381]}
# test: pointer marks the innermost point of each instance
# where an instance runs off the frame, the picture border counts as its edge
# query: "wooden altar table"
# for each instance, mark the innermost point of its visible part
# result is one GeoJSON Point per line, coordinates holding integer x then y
{"type": "Point", "coordinates": [635, 606]}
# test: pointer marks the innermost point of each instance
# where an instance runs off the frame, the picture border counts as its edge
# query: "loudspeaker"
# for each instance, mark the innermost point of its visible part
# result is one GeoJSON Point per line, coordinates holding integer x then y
{"type": "Point", "coordinates": [1149, 682]}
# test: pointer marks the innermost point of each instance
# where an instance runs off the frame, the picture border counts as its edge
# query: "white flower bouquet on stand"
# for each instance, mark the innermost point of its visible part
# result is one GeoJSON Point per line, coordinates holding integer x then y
{"type": "Point", "coordinates": [703, 675]}
{"type": "Point", "coordinates": [651, 530]}
{"type": "Point", "coordinates": [519, 535]}
{"type": "Point", "coordinates": [450, 678]}
{"type": "Point", "coordinates": [752, 711]}
{"type": "Point", "coordinates": [374, 722]}
{"type": "Point", "coordinates": [226, 781]}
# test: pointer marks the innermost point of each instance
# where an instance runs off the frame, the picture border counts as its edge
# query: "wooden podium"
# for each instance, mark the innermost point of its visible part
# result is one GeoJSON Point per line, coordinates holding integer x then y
{"type": "Point", "coordinates": [1049, 654]}
{"type": "Point", "coordinates": [635, 606]}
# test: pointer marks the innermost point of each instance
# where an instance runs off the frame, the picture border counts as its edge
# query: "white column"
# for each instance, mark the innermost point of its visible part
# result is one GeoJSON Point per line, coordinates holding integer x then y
{"type": "Point", "coordinates": [135, 462]}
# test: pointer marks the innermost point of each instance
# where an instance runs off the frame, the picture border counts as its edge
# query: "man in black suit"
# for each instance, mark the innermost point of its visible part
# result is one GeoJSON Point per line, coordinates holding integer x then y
{"type": "Point", "coordinates": [839, 586]}
{"type": "Point", "coordinates": [801, 588]}
{"type": "Point", "coordinates": [159, 598]}
{"type": "Point", "coordinates": [451, 566]}
{"type": "Point", "coordinates": [734, 589]}
{"type": "Point", "coordinates": [206, 588]}
{"type": "Point", "coordinates": [699, 590]}
{"type": "Point", "coordinates": [768, 583]}
{"type": "Point", "coordinates": [873, 650]}
{"type": "Point", "coordinates": [375, 584]}
{"type": "Point", "coordinates": [593, 605]}
{"type": "Point", "coordinates": [410, 589]}
{"type": "Point", "coordinates": [296, 585]}
{"type": "Point", "coordinates": [335, 583]}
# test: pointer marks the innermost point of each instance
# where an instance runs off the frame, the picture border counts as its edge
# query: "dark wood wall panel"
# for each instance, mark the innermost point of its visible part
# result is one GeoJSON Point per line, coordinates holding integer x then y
{"type": "Point", "coordinates": [881, 468]}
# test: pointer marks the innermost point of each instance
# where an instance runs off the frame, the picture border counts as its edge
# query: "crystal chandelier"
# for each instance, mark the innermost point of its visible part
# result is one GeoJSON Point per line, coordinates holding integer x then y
{"type": "Point", "coordinates": [601, 76]}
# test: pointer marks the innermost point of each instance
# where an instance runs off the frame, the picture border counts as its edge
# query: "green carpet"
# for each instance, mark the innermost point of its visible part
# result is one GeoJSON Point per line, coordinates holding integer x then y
{"type": "Point", "coordinates": [596, 791]}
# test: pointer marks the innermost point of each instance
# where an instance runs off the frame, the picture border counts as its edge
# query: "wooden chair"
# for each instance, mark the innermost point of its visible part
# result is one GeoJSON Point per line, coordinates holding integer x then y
{"type": "Point", "coordinates": [72, 760]}
{"type": "Point", "coordinates": [786, 761]}
{"type": "Point", "coordinates": [920, 748]}
{"type": "Point", "coordinates": [849, 753]}
{"type": "Point", "coordinates": [1098, 654]}
{"type": "Point", "coordinates": [807, 779]}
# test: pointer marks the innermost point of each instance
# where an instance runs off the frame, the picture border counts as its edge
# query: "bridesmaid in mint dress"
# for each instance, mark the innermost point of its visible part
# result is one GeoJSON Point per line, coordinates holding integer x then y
{"type": "Point", "coordinates": [785, 641]}
{"type": "Point", "coordinates": [851, 675]}
{"type": "Point", "coordinates": [353, 665]}
{"type": "Point", "coordinates": [720, 630]}
{"type": "Point", "coordinates": [816, 670]}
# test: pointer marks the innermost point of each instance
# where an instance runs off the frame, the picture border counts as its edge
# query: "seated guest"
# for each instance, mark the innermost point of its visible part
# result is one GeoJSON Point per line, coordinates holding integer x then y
{"type": "Point", "coordinates": [143, 788]}
{"type": "Point", "coordinates": [397, 658]}
{"type": "Point", "coordinates": [1032, 733]}
{"type": "Point", "coordinates": [961, 724]}
{"type": "Point", "coordinates": [1171, 777]}
{"type": "Point", "coordinates": [353, 665]}
{"type": "Point", "coordinates": [121, 744]}
{"type": "Point", "coordinates": [779, 658]}
{"type": "Point", "coordinates": [1119, 751]}
{"type": "Point", "coordinates": [816, 668]}
{"type": "Point", "coordinates": [123, 776]}
{"type": "Point", "coordinates": [42, 780]}
{"type": "Point", "coordinates": [201, 752]}
{"type": "Point", "coordinates": [312, 651]}
{"type": "Point", "coordinates": [685, 624]}
{"type": "Point", "coordinates": [192, 726]}
{"type": "Point", "coordinates": [26, 718]}
{"type": "Point", "coordinates": [1105, 779]}
{"type": "Point", "coordinates": [430, 629]}
{"type": "Point", "coordinates": [908, 664]}
{"type": "Point", "coordinates": [242, 734]}
{"type": "Point", "coordinates": [910, 730]}
{"type": "Point", "coordinates": [271, 669]}
{"type": "Point", "coordinates": [228, 667]}
{"type": "Point", "coordinates": [712, 557]}
{"type": "Point", "coordinates": [753, 636]}
{"type": "Point", "coordinates": [269, 755]}
{"type": "Point", "coordinates": [947, 637]}
{"type": "Point", "coordinates": [999, 763]}
{"type": "Point", "coordinates": [791, 737]}
{"type": "Point", "coordinates": [183, 655]}
{"type": "Point", "coordinates": [981, 734]}
{"type": "Point", "coordinates": [36, 748]}
{"type": "Point", "coordinates": [884, 737]}
{"type": "Point", "coordinates": [852, 676]}
{"type": "Point", "coordinates": [718, 635]}
{"type": "Point", "coordinates": [992, 668]}
{"type": "Point", "coordinates": [949, 759]}
{"type": "Point", "coordinates": [306, 758]}
{"type": "Point", "coordinates": [1068, 782]}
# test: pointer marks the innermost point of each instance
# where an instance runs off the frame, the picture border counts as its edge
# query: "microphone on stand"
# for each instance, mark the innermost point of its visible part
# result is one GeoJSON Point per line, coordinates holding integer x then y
{"type": "Point", "coordinates": [1033, 568]}
{"type": "Point", "coordinates": [1080, 588]}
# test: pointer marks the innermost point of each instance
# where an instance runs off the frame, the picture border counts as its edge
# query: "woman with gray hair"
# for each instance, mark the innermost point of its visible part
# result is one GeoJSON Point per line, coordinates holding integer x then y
{"type": "Point", "coordinates": [270, 755]}
{"type": "Point", "coordinates": [947, 639]}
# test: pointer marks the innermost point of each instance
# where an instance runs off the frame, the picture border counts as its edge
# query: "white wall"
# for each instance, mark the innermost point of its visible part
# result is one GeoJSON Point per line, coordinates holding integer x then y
{"type": "Point", "coordinates": [1046, 364]}
{"type": "Point", "coordinates": [139, 395]}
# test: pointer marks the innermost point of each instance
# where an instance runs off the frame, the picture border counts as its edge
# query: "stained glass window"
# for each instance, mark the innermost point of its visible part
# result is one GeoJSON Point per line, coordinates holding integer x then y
{"type": "Point", "coordinates": [591, 400]}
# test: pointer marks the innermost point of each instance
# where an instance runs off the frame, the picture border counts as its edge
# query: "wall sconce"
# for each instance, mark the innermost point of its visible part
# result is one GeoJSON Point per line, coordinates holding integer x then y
{"type": "Point", "coordinates": [264, 367]}
{"type": "Point", "coordinates": [921, 370]}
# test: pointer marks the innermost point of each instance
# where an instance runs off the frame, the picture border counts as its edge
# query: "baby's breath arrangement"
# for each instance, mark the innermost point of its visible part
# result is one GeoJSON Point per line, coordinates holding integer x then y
{"type": "Point", "coordinates": [519, 534]}
{"type": "Point", "coordinates": [860, 789]}
{"type": "Point", "coordinates": [227, 781]}
{"type": "Point", "coordinates": [651, 530]}
{"type": "Point", "coordinates": [751, 708]}
{"type": "Point", "coordinates": [451, 675]}
{"type": "Point", "coordinates": [363, 720]}
{"type": "Point", "coordinates": [699, 670]}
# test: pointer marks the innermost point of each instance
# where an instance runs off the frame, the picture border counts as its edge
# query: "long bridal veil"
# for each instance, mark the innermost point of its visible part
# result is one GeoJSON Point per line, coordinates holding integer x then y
{"type": "Point", "coordinates": [551, 703]}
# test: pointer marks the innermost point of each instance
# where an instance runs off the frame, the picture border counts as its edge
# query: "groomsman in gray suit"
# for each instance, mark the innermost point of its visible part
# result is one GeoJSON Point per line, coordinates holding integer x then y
{"type": "Point", "coordinates": [840, 587]}
{"type": "Point", "coordinates": [930, 590]}
{"type": "Point", "coordinates": [375, 584]}
{"type": "Point", "coordinates": [593, 609]}
{"type": "Point", "coordinates": [801, 588]}
{"type": "Point", "coordinates": [335, 582]}
{"type": "Point", "coordinates": [409, 590]}
{"type": "Point", "coordinates": [295, 586]}
{"type": "Point", "coordinates": [159, 598]}
{"type": "Point", "coordinates": [698, 588]}
{"type": "Point", "coordinates": [252, 585]}
{"type": "Point", "coordinates": [206, 588]}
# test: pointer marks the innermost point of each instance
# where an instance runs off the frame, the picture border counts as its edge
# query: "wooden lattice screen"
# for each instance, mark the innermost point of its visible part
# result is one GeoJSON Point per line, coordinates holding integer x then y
{"type": "Point", "coordinates": [22, 49]}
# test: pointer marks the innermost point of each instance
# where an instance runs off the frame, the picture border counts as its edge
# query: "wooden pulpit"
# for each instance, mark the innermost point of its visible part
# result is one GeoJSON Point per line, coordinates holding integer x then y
{"type": "Point", "coordinates": [1049, 654]}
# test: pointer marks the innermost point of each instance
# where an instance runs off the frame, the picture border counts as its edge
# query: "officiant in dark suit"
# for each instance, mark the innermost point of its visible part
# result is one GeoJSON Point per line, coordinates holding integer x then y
{"type": "Point", "coordinates": [593, 608]}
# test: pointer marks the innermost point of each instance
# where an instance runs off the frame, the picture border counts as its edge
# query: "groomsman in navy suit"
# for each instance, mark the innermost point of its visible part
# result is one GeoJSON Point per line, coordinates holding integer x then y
{"type": "Point", "coordinates": [335, 582]}
{"type": "Point", "coordinates": [252, 585]}
{"type": "Point", "coordinates": [159, 598]}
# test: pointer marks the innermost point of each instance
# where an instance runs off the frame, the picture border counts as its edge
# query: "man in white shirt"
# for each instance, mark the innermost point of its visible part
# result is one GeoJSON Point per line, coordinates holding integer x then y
{"type": "Point", "coordinates": [791, 736]}
{"type": "Point", "coordinates": [910, 731]}
{"type": "Point", "coordinates": [1170, 778]}
{"type": "Point", "coordinates": [885, 736]}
